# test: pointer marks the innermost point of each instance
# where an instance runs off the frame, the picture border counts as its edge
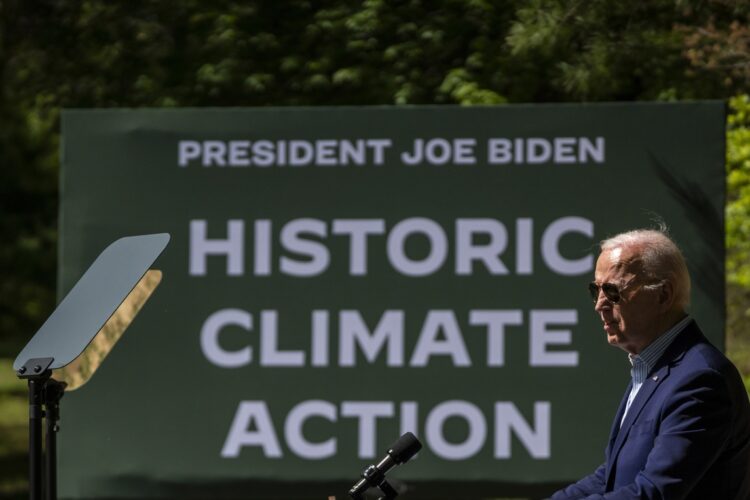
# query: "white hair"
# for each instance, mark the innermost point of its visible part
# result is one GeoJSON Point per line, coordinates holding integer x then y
{"type": "Point", "coordinates": [661, 258]}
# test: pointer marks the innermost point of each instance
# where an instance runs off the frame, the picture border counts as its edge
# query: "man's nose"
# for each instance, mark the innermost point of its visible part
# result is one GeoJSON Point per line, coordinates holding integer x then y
{"type": "Point", "coordinates": [602, 302]}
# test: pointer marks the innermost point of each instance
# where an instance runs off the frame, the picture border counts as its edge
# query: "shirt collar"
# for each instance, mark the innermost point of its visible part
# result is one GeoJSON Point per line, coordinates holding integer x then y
{"type": "Point", "coordinates": [651, 354]}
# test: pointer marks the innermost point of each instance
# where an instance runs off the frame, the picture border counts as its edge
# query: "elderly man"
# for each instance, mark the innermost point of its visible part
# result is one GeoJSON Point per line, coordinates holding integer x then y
{"type": "Point", "coordinates": [683, 427]}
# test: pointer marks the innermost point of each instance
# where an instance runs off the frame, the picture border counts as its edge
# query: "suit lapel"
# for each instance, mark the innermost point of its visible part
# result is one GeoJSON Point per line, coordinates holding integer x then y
{"type": "Point", "coordinates": [644, 394]}
{"type": "Point", "coordinates": [615, 430]}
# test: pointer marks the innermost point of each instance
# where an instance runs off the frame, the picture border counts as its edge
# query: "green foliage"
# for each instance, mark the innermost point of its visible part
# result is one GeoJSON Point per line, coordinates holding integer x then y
{"type": "Point", "coordinates": [459, 85]}
{"type": "Point", "coordinates": [605, 50]}
{"type": "Point", "coordinates": [738, 192]}
{"type": "Point", "coordinates": [738, 232]}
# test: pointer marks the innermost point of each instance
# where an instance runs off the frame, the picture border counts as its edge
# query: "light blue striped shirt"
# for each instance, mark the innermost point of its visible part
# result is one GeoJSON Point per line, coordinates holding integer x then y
{"type": "Point", "coordinates": [644, 362]}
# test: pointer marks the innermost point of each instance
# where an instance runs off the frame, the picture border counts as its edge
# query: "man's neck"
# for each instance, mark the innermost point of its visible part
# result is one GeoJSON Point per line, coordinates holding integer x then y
{"type": "Point", "coordinates": [666, 323]}
{"type": "Point", "coordinates": [669, 320]}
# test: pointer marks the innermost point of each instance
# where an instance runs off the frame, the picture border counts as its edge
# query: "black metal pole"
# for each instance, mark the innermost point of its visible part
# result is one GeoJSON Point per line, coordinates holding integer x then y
{"type": "Point", "coordinates": [35, 438]}
{"type": "Point", "coordinates": [53, 391]}
{"type": "Point", "coordinates": [50, 460]}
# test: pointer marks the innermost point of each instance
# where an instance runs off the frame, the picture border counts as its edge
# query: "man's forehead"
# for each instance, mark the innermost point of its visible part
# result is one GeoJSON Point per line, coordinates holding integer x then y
{"type": "Point", "coordinates": [622, 258]}
{"type": "Point", "coordinates": [615, 255]}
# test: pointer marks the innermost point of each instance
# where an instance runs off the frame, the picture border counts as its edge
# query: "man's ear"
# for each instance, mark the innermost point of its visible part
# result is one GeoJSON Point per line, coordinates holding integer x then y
{"type": "Point", "coordinates": [666, 295]}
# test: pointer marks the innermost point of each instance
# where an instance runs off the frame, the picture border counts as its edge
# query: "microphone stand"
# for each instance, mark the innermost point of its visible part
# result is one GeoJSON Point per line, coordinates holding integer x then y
{"type": "Point", "coordinates": [400, 452]}
{"type": "Point", "coordinates": [388, 490]}
{"type": "Point", "coordinates": [373, 475]}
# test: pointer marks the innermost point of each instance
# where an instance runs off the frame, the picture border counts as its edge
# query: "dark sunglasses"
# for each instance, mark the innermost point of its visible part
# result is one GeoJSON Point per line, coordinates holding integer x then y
{"type": "Point", "coordinates": [611, 291]}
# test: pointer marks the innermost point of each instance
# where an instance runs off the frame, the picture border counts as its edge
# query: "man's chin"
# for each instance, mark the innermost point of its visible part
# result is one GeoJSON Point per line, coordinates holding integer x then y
{"type": "Point", "coordinates": [611, 329]}
{"type": "Point", "coordinates": [617, 341]}
{"type": "Point", "coordinates": [613, 339]}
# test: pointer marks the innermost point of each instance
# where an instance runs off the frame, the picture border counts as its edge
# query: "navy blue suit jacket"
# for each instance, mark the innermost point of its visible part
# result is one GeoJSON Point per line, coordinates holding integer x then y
{"type": "Point", "coordinates": [686, 434]}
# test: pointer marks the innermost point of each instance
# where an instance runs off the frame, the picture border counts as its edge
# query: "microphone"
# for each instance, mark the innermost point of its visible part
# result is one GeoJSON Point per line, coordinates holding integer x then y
{"type": "Point", "coordinates": [400, 452]}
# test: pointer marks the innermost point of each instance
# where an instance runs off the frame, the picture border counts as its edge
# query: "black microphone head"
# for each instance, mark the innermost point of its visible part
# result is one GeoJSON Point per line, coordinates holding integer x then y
{"type": "Point", "coordinates": [404, 448]}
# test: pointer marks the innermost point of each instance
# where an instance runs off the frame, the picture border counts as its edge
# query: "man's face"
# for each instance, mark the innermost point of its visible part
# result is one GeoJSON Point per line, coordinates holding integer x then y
{"type": "Point", "coordinates": [632, 323]}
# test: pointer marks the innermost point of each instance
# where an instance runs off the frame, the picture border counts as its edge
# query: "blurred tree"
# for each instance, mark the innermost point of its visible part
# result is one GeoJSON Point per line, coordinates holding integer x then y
{"type": "Point", "coordinates": [738, 187]}
{"type": "Point", "coordinates": [95, 53]}
{"type": "Point", "coordinates": [719, 50]}
{"type": "Point", "coordinates": [738, 232]}
{"type": "Point", "coordinates": [28, 197]}
{"type": "Point", "coordinates": [607, 50]}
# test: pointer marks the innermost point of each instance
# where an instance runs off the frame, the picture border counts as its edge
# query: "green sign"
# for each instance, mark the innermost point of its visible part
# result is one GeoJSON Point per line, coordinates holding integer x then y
{"type": "Point", "coordinates": [339, 276]}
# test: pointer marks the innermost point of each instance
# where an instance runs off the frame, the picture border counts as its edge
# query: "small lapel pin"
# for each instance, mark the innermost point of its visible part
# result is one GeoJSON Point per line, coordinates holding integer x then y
{"type": "Point", "coordinates": [655, 378]}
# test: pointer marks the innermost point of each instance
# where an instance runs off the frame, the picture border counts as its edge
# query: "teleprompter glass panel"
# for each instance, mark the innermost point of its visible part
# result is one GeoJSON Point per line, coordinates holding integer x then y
{"type": "Point", "coordinates": [93, 300]}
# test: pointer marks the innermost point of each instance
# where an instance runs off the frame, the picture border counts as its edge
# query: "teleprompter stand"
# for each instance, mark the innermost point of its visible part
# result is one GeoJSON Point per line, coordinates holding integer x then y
{"type": "Point", "coordinates": [95, 299]}
{"type": "Point", "coordinates": [44, 392]}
